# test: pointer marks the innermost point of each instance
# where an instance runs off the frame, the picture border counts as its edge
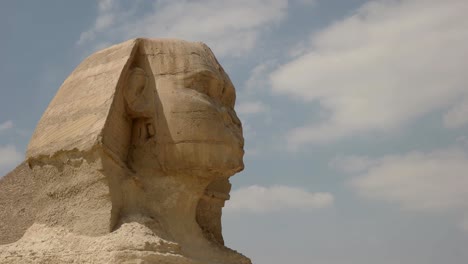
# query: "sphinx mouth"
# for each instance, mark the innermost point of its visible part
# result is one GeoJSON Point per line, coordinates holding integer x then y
{"type": "Point", "coordinates": [241, 145]}
{"type": "Point", "coordinates": [239, 169]}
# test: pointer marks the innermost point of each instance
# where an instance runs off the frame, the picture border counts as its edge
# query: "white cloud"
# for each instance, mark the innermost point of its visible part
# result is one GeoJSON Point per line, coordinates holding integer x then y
{"type": "Point", "coordinates": [457, 116]}
{"type": "Point", "coordinates": [276, 198]}
{"type": "Point", "coordinates": [107, 11]}
{"type": "Point", "coordinates": [251, 107]}
{"type": "Point", "coordinates": [105, 5]}
{"type": "Point", "coordinates": [436, 181]}
{"type": "Point", "coordinates": [6, 125]}
{"type": "Point", "coordinates": [230, 28]}
{"type": "Point", "coordinates": [9, 158]}
{"type": "Point", "coordinates": [385, 65]}
{"type": "Point", "coordinates": [259, 76]}
{"type": "Point", "coordinates": [351, 164]}
{"type": "Point", "coordinates": [307, 2]}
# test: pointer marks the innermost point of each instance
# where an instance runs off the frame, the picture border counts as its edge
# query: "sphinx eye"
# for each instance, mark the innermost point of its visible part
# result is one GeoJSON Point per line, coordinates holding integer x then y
{"type": "Point", "coordinates": [204, 82]}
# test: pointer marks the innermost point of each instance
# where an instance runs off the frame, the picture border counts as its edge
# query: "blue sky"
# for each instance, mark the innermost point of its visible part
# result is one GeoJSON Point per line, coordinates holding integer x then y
{"type": "Point", "coordinates": [355, 114]}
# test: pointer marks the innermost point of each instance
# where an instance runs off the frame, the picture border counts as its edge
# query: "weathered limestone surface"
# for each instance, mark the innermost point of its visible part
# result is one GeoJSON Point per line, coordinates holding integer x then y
{"type": "Point", "coordinates": [130, 163]}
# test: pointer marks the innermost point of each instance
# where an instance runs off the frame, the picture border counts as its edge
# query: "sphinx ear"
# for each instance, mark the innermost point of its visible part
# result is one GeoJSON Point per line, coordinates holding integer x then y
{"type": "Point", "coordinates": [135, 94]}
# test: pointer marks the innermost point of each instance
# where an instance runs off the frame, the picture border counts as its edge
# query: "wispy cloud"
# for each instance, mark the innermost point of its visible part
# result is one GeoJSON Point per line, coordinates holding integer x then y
{"type": "Point", "coordinates": [388, 63]}
{"type": "Point", "coordinates": [430, 181]}
{"type": "Point", "coordinates": [230, 28]}
{"type": "Point", "coordinates": [215, 22]}
{"type": "Point", "coordinates": [457, 116]}
{"type": "Point", "coordinates": [351, 164]}
{"type": "Point", "coordinates": [251, 108]}
{"type": "Point", "coordinates": [6, 125]}
{"type": "Point", "coordinates": [259, 199]}
{"type": "Point", "coordinates": [418, 181]}
{"type": "Point", "coordinates": [9, 158]}
{"type": "Point", "coordinates": [258, 79]}
{"type": "Point", "coordinates": [107, 15]}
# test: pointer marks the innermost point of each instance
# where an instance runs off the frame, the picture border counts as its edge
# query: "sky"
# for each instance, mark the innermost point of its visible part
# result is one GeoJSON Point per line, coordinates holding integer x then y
{"type": "Point", "coordinates": [355, 114]}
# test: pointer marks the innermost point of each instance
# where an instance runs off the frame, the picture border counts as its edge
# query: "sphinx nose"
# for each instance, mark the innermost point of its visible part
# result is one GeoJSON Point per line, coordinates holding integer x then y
{"type": "Point", "coordinates": [233, 123]}
{"type": "Point", "coordinates": [230, 117]}
{"type": "Point", "coordinates": [235, 119]}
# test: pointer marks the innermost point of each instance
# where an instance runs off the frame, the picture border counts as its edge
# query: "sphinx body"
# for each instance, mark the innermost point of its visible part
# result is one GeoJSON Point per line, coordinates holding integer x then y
{"type": "Point", "coordinates": [130, 163]}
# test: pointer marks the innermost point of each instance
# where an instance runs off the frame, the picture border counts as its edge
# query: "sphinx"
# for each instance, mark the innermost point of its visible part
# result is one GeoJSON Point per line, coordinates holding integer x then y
{"type": "Point", "coordinates": [130, 162]}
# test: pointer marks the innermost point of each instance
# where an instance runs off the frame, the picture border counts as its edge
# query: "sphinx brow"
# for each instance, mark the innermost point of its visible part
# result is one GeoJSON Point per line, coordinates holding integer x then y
{"type": "Point", "coordinates": [207, 73]}
{"type": "Point", "coordinates": [192, 74]}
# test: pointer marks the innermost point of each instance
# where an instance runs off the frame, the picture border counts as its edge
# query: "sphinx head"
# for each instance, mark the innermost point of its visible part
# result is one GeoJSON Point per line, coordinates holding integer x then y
{"type": "Point", "coordinates": [161, 105]}
{"type": "Point", "coordinates": [181, 104]}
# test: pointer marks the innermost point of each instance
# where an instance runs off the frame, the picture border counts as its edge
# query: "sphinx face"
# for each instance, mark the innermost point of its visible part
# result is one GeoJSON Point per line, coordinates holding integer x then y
{"type": "Point", "coordinates": [196, 128]}
{"type": "Point", "coordinates": [203, 132]}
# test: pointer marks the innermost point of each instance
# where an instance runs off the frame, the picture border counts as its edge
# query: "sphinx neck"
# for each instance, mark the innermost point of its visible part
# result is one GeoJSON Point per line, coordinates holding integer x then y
{"type": "Point", "coordinates": [167, 204]}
